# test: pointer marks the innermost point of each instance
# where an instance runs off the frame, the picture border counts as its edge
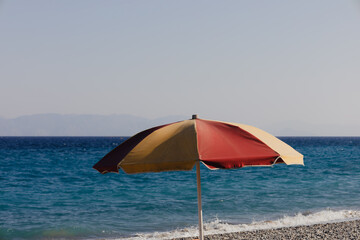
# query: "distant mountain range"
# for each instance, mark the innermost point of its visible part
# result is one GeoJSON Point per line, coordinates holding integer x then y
{"type": "Point", "coordinates": [79, 125]}
{"type": "Point", "coordinates": [128, 125]}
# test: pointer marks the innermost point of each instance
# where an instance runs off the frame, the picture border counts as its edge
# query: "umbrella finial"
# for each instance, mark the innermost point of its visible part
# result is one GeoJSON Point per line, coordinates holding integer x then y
{"type": "Point", "coordinates": [194, 116]}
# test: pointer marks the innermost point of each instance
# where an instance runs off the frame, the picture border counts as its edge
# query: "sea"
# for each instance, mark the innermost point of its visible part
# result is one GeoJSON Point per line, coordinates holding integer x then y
{"type": "Point", "coordinates": [49, 190]}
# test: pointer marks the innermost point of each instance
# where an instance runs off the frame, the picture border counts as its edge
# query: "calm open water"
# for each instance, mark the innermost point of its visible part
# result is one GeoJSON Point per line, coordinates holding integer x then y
{"type": "Point", "coordinates": [50, 191]}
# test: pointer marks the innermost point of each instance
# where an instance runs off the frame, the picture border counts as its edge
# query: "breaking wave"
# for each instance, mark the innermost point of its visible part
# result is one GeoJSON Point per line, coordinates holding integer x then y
{"type": "Point", "coordinates": [218, 226]}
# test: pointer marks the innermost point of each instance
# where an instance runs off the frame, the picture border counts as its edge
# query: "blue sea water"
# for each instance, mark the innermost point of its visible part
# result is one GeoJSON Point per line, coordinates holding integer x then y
{"type": "Point", "coordinates": [50, 191]}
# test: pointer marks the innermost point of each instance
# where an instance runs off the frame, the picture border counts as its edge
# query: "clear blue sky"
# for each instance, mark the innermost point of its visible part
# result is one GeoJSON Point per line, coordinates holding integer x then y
{"type": "Point", "coordinates": [252, 62]}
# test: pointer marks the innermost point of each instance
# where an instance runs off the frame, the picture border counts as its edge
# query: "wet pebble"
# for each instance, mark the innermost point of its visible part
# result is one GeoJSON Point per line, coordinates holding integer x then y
{"type": "Point", "coordinates": [349, 230]}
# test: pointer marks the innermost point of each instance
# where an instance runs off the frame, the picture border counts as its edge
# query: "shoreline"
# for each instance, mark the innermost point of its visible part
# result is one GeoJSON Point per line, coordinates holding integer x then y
{"type": "Point", "coordinates": [336, 230]}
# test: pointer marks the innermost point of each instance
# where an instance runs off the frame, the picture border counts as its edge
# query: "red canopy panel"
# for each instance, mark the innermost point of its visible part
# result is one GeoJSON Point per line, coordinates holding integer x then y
{"type": "Point", "coordinates": [223, 145]}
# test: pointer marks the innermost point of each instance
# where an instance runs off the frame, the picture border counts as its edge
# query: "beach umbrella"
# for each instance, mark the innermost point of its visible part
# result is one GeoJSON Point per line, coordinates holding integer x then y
{"type": "Point", "coordinates": [181, 145]}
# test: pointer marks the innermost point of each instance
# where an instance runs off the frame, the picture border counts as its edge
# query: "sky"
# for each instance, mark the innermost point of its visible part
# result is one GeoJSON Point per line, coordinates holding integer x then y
{"type": "Point", "coordinates": [255, 62]}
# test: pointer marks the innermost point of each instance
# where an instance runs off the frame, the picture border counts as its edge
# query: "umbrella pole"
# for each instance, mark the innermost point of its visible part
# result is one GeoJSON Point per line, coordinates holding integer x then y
{"type": "Point", "coordinates": [201, 234]}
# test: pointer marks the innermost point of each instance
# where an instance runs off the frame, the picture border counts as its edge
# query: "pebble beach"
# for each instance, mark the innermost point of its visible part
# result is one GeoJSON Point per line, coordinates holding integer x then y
{"type": "Point", "coordinates": [349, 230]}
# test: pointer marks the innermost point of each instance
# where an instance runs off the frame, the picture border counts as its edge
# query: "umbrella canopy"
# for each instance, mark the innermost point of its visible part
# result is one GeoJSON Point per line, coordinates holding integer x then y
{"type": "Point", "coordinates": [180, 145]}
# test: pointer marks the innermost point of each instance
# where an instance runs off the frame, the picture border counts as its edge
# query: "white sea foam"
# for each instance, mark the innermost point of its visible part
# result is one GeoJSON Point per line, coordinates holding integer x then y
{"type": "Point", "coordinates": [217, 226]}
